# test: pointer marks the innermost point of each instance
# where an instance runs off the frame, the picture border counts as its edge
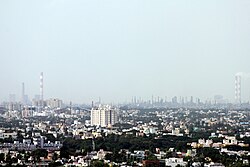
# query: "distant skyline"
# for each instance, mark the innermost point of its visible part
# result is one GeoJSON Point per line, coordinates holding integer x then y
{"type": "Point", "coordinates": [119, 49]}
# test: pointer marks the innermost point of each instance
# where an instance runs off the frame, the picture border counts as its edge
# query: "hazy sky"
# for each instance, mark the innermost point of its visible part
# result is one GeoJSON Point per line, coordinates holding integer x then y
{"type": "Point", "coordinates": [117, 49]}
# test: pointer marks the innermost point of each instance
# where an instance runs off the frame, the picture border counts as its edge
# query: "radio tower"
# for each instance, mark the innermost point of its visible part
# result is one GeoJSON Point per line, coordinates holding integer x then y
{"type": "Point", "coordinates": [238, 89]}
{"type": "Point", "coordinates": [41, 86]}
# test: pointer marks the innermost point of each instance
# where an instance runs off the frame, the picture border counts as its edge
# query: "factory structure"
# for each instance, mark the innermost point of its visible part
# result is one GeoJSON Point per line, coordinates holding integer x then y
{"type": "Point", "coordinates": [38, 103]}
{"type": "Point", "coordinates": [106, 115]}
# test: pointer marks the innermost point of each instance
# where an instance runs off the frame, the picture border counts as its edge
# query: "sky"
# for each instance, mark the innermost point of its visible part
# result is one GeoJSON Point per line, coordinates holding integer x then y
{"type": "Point", "coordinates": [116, 49]}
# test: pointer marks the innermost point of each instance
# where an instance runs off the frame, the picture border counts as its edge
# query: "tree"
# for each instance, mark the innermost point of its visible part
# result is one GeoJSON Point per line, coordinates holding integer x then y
{"type": "Point", "coordinates": [54, 164]}
{"type": "Point", "coordinates": [19, 156]}
{"type": "Point", "coordinates": [2, 157]}
{"type": "Point", "coordinates": [98, 164]}
{"type": "Point", "coordinates": [55, 157]}
{"type": "Point", "coordinates": [50, 137]}
{"type": "Point", "coordinates": [26, 156]}
{"type": "Point", "coordinates": [169, 154]}
{"type": "Point", "coordinates": [9, 159]}
{"type": "Point", "coordinates": [108, 156]}
{"type": "Point", "coordinates": [19, 136]}
{"type": "Point", "coordinates": [39, 153]}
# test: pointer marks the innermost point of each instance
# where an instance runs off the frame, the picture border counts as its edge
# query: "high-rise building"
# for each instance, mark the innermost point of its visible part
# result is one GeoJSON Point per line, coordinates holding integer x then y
{"type": "Point", "coordinates": [54, 103]}
{"type": "Point", "coordinates": [174, 100]}
{"type": "Point", "coordinates": [12, 98]}
{"type": "Point", "coordinates": [191, 100]}
{"type": "Point", "coordinates": [103, 116]}
{"type": "Point", "coordinates": [28, 111]}
{"type": "Point", "coordinates": [41, 86]}
{"type": "Point", "coordinates": [24, 97]}
{"type": "Point", "coordinates": [238, 89]}
{"type": "Point", "coordinates": [23, 94]}
{"type": "Point", "coordinates": [218, 99]}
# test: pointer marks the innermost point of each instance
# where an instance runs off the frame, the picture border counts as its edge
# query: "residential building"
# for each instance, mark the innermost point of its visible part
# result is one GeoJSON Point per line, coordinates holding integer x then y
{"type": "Point", "coordinates": [103, 116]}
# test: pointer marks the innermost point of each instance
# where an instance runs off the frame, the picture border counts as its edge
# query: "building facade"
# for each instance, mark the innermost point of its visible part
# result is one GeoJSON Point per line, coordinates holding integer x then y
{"type": "Point", "coordinates": [103, 116]}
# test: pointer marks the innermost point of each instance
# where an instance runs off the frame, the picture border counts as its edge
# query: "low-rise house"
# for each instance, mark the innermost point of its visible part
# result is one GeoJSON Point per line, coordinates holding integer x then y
{"type": "Point", "coordinates": [101, 154]}
{"type": "Point", "coordinates": [230, 140]}
{"type": "Point", "coordinates": [212, 164]}
{"type": "Point", "coordinates": [173, 162]}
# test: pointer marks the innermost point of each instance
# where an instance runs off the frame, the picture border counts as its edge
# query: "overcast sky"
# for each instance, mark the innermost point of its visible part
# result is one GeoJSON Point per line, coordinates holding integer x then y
{"type": "Point", "coordinates": [116, 49]}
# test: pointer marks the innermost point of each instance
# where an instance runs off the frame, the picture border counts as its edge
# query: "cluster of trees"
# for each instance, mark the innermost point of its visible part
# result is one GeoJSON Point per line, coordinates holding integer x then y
{"type": "Point", "coordinates": [24, 156]}
{"type": "Point", "coordinates": [151, 142]}
{"type": "Point", "coordinates": [73, 146]}
{"type": "Point", "coordinates": [206, 155]}
{"type": "Point", "coordinates": [121, 156]}
{"type": "Point", "coordinates": [114, 143]}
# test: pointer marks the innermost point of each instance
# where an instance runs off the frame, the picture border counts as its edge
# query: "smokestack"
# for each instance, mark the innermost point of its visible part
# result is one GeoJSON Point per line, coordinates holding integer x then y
{"type": "Point", "coordinates": [41, 86]}
{"type": "Point", "coordinates": [238, 89]}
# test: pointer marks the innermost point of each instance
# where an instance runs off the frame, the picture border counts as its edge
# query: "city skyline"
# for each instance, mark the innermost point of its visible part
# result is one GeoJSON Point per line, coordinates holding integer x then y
{"type": "Point", "coordinates": [116, 50]}
{"type": "Point", "coordinates": [239, 77]}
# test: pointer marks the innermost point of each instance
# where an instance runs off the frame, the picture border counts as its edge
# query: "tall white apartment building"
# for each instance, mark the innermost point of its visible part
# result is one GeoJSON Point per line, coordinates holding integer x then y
{"type": "Point", "coordinates": [54, 103]}
{"type": "Point", "coordinates": [103, 116]}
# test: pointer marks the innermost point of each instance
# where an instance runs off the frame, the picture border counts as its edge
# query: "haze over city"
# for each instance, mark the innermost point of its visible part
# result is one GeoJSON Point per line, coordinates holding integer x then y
{"type": "Point", "coordinates": [119, 49]}
{"type": "Point", "coordinates": [125, 83]}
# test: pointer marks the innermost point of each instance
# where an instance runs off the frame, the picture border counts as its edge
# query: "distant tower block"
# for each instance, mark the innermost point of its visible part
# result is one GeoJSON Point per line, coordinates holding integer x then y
{"type": "Point", "coordinates": [41, 86]}
{"type": "Point", "coordinates": [238, 89]}
{"type": "Point", "coordinates": [23, 94]}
